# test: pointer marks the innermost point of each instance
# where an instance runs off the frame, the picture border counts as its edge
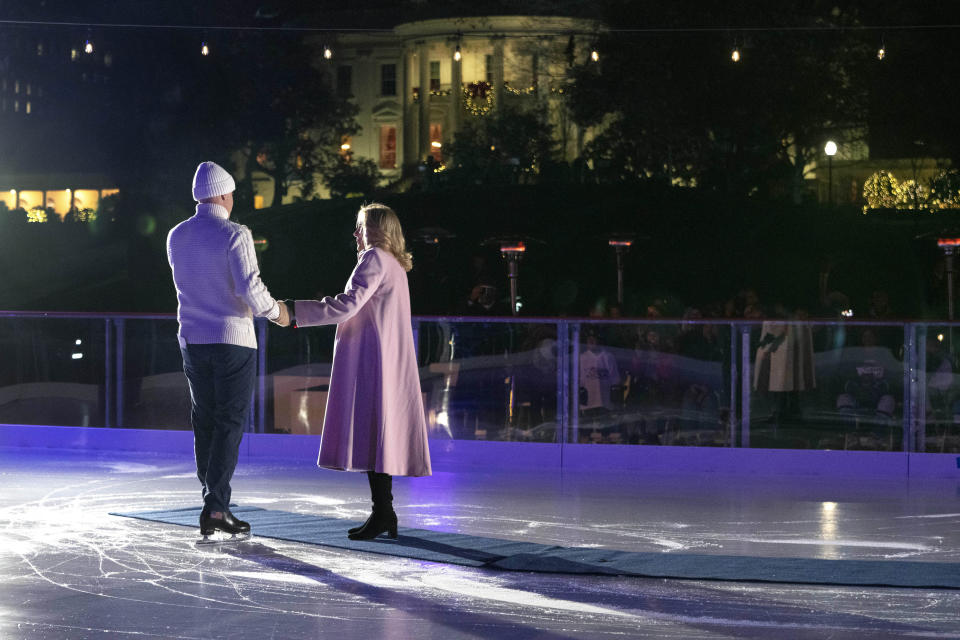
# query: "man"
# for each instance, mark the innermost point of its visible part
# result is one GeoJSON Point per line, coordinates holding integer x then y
{"type": "Point", "coordinates": [218, 292]}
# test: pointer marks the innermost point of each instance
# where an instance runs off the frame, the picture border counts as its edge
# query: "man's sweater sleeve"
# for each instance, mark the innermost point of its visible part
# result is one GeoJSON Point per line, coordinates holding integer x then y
{"type": "Point", "coordinates": [246, 276]}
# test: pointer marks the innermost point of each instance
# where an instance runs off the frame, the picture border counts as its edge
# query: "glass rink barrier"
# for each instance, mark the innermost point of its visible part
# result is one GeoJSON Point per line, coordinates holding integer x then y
{"type": "Point", "coordinates": [782, 384]}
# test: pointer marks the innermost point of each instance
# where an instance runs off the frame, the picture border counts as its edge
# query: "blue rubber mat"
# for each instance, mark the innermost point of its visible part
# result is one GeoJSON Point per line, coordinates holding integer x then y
{"type": "Point", "coordinates": [474, 551]}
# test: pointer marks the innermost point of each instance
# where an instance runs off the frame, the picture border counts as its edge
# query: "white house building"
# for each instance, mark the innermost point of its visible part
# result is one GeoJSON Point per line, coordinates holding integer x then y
{"type": "Point", "coordinates": [417, 84]}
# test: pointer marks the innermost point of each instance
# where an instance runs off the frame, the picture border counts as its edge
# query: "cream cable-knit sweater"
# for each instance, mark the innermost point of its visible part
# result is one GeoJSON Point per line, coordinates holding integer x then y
{"type": "Point", "coordinates": [217, 279]}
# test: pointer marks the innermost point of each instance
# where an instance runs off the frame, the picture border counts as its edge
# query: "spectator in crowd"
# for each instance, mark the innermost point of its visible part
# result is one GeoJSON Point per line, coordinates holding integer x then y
{"type": "Point", "coordinates": [866, 389]}
{"type": "Point", "coordinates": [599, 376]}
{"type": "Point", "coordinates": [784, 362]}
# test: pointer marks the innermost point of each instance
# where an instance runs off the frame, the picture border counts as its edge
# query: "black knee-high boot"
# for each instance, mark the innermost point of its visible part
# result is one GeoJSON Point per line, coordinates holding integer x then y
{"type": "Point", "coordinates": [383, 519]}
{"type": "Point", "coordinates": [371, 475]}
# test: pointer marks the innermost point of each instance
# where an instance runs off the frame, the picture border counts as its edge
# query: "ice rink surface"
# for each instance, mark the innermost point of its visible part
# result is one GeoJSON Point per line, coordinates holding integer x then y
{"type": "Point", "coordinates": [70, 570]}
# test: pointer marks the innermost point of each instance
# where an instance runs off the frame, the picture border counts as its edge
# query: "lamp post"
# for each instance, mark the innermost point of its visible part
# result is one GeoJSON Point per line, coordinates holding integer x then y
{"type": "Point", "coordinates": [831, 150]}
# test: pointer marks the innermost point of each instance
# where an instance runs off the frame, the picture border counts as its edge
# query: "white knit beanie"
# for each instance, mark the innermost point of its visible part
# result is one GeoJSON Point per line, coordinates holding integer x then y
{"type": "Point", "coordinates": [212, 180]}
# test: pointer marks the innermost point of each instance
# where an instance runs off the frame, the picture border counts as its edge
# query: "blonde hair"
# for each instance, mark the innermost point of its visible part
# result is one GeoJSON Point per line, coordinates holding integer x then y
{"type": "Point", "coordinates": [384, 232]}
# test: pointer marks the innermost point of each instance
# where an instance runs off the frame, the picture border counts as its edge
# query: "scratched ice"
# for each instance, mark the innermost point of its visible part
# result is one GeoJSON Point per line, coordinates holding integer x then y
{"type": "Point", "coordinates": [69, 570]}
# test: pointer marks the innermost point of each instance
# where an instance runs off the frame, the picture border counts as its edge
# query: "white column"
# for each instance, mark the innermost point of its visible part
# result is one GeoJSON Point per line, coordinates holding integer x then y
{"type": "Point", "coordinates": [498, 90]}
{"type": "Point", "coordinates": [424, 146]}
{"type": "Point", "coordinates": [456, 91]}
{"type": "Point", "coordinates": [407, 144]}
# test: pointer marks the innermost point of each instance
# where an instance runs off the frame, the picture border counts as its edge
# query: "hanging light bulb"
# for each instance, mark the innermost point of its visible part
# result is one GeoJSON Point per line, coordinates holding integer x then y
{"type": "Point", "coordinates": [595, 55]}
{"type": "Point", "coordinates": [882, 51]}
{"type": "Point", "coordinates": [456, 54]}
{"type": "Point", "coordinates": [204, 49]}
{"type": "Point", "coordinates": [327, 52]}
{"type": "Point", "coordinates": [87, 46]}
{"type": "Point", "coordinates": [735, 54]}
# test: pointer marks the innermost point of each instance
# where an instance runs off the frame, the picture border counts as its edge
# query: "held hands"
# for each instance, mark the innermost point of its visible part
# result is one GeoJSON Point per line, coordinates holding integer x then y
{"type": "Point", "coordinates": [283, 319]}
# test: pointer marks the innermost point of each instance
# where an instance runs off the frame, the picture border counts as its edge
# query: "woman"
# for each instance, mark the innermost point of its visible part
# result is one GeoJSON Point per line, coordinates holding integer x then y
{"type": "Point", "coordinates": [374, 420]}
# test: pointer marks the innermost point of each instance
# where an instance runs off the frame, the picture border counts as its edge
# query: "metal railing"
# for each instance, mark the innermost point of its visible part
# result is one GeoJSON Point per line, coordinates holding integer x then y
{"type": "Point", "coordinates": [734, 383]}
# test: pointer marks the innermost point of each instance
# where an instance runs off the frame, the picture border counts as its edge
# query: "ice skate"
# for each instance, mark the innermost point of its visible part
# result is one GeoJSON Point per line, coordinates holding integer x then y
{"type": "Point", "coordinates": [221, 526]}
{"type": "Point", "coordinates": [220, 537]}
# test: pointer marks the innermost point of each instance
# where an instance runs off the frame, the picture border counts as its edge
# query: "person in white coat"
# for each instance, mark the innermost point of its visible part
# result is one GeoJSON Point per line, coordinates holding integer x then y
{"type": "Point", "coordinates": [219, 292]}
{"type": "Point", "coordinates": [374, 420]}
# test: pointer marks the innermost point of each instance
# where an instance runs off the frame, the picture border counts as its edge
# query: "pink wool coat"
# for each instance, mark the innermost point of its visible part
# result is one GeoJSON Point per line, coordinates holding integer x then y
{"type": "Point", "coordinates": [374, 418]}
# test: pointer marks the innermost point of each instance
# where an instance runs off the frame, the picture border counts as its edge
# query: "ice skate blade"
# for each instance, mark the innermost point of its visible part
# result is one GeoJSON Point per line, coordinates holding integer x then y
{"type": "Point", "coordinates": [219, 537]}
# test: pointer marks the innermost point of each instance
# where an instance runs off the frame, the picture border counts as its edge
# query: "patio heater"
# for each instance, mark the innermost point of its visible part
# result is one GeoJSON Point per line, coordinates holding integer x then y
{"type": "Point", "coordinates": [949, 246]}
{"type": "Point", "coordinates": [621, 243]}
{"type": "Point", "coordinates": [512, 249]}
{"type": "Point", "coordinates": [512, 252]}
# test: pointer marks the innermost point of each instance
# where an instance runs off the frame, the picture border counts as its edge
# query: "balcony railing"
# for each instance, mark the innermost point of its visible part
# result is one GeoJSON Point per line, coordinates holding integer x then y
{"type": "Point", "coordinates": [722, 383]}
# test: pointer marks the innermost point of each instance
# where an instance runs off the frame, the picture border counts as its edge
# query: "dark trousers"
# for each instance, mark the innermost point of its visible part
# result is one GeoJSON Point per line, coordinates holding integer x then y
{"type": "Point", "coordinates": [221, 378]}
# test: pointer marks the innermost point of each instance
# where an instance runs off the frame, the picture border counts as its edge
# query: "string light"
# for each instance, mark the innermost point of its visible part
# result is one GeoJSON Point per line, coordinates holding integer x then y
{"type": "Point", "coordinates": [327, 52]}
{"type": "Point", "coordinates": [204, 49]}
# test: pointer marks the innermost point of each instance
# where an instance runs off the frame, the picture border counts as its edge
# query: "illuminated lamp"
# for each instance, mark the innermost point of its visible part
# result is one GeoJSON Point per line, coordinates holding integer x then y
{"type": "Point", "coordinates": [831, 150]}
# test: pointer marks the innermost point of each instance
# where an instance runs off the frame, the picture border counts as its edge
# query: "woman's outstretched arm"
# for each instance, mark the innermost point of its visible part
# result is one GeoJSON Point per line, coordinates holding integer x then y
{"type": "Point", "coordinates": [363, 282]}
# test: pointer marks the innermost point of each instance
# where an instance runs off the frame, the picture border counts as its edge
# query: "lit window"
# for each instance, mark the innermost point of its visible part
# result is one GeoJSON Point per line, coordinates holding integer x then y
{"type": "Point", "coordinates": [29, 109]}
{"type": "Point", "coordinates": [434, 75]}
{"type": "Point", "coordinates": [74, 54]}
{"type": "Point", "coordinates": [436, 143]}
{"type": "Point", "coordinates": [16, 106]}
{"type": "Point", "coordinates": [59, 201]}
{"type": "Point", "coordinates": [28, 89]}
{"type": "Point", "coordinates": [16, 86]}
{"type": "Point", "coordinates": [388, 147]}
{"type": "Point", "coordinates": [39, 48]}
{"type": "Point", "coordinates": [258, 202]}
